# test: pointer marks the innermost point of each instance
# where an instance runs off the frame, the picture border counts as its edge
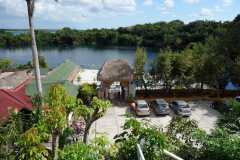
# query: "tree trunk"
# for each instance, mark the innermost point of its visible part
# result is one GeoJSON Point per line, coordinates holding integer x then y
{"type": "Point", "coordinates": [55, 141]}
{"type": "Point", "coordinates": [86, 132]}
{"type": "Point", "coordinates": [67, 118]}
{"type": "Point", "coordinates": [89, 120]}
{"type": "Point", "coordinates": [30, 5]}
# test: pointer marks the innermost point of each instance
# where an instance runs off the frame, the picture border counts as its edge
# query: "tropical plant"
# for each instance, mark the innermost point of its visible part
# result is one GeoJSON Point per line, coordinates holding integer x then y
{"type": "Point", "coordinates": [30, 146]}
{"type": "Point", "coordinates": [25, 66]}
{"type": "Point", "coordinates": [78, 151]}
{"type": "Point", "coordinates": [179, 137]}
{"type": "Point", "coordinates": [7, 63]}
{"type": "Point", "coordinates": [66, 137]}
{"type": "Point", "coordinates": [185, 67]}
{"type": "Point", "coordinates": [10, 131]}
{"type": "Point", "coordinates": [130, 97]}
{"type": "Point", "coordinates": [150, 136]}
{"type": "Point", "coordinates": [37, 101]}
{"type": "Point", "coordinates": [178, 42]}
{"type": "Point", "coordinates": [230, 122]}
{"type": "Point", "coordinates": [163, 68]}
{"type": "Point", "coordinates": [89, 90]}
{"type": "Point", "coordinates": [54, 115]}
{"type": "Point", "coordinates": [219, 144]}
{"type": "Point", "coordinates": [41, 60]}
{"type": "Point", "coordinates": [139, 68]}
{"type": "Point", "coordinates": [234, 72]}
{"type": "Point", "coordinates": [91, 115]}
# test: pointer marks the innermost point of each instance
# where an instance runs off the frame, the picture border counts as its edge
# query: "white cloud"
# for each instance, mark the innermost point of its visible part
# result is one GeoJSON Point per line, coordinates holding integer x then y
{"type": "Point", "coordinates": [167, 3]}
{"type": "Point", "coordinates": [227, 3]}
{"type": "Point", "coordinates": [216, 8]}
{"type": "Point", "coordinates": [18, 8]}
{"type": "Point", "coordinates": [119, 6]}
{"type": "Point", "coordinates": [206, 13]}
{"type": "Point", "coordinates": [164, 13]}
{"type": "Point", "coordinates": [140, 12]}
{"type": "Point", "coordinates": [75, 2]}
{"type": "Point", "coordinates": [193, 15]}
{"type": "Point", "coordinates": [191, 1]}
{"type": "Point", "coordinates": [161, 8]}
{"type": "Point", "coordinates": [148, 3]}
{"type": "Point", "coordinates": [174, 15]}
{"type": "Point", "coordinates": [69, 10]}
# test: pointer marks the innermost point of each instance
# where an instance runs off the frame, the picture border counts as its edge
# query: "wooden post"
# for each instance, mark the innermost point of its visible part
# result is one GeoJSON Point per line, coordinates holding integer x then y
{"type": "Point", "coordinates": [93, 66]}
{"type": "Point", "coordinates": [173, 93]}
{"type": "Point", "coordinates": [83, 66]}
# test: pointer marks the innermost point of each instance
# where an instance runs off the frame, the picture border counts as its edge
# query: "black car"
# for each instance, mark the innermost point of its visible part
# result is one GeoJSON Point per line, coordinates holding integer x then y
{"type": "Point", "coordinates": [222, 106]}
{"type": "Point", "coordinates": [159, 106]}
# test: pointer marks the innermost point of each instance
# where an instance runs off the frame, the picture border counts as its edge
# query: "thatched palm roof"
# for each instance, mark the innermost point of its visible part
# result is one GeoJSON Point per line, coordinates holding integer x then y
{"type": "Point", "coordinates": [115, 70]}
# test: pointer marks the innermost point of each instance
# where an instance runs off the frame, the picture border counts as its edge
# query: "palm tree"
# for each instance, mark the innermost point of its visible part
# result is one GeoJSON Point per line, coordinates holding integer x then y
{"type": "Point", "coordinates": [178, 42]}
{"type": "Point", "coordinates": [31, 6]}
{"type": "Point", "coordinates": [231, 122]}
{"type": "Point", "coordinates": [41, 60]}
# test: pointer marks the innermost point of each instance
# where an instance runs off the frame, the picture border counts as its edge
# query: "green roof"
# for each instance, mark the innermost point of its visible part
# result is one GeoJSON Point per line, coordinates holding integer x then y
{"type": "Point", "coordinates": [57, 76]}
{"type": "Point", "coordinates": [62, 71]}
{"type": "Point", "coordinates": [43, 71]}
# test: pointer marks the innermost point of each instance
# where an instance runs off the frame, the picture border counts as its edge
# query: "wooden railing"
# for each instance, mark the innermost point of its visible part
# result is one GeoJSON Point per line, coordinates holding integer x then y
{"type": "Point", "coordinates": [90, 66]}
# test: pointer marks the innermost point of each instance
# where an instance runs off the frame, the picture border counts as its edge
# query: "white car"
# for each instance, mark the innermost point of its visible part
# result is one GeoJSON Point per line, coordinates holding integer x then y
{"type": "Point", "coordinates": [237, 99]}
{"type": "Point", "coordinates": [142, 108]}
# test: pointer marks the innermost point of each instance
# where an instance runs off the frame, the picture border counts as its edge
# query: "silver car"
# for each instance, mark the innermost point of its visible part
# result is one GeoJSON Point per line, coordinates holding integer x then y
{"type": "Point", "coordinates": [142, 108]}
{"type": "Point", "coordinates": [180, 107]}
{"type": "Point", "coordinates": [159, 106]}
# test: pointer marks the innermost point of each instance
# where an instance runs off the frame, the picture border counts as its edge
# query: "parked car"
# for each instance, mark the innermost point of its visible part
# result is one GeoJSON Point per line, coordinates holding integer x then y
{"type": "Point", "coordinates": [180, 107]}
{"type": "Point", "coordinates": [159, 106]}
{"type": "Point", "coordinates": [222, 106]}
{"type": "Point", "coordinates": [142, 108]}
{"type": "Point", "coordinates": [237, 99]}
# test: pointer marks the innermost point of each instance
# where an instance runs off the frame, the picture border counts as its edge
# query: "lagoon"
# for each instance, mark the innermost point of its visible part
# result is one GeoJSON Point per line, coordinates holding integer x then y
{"type": "Point", "coordinates": [79, 54]}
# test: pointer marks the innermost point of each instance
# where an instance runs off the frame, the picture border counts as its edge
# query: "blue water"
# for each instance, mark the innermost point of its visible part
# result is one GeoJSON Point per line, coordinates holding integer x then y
{"type": "Point", "coordinates": [79, 54]}
{"type": "Point", "coordinates": [18, 33]}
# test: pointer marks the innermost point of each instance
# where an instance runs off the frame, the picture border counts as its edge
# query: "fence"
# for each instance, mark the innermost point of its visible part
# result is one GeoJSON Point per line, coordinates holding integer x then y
{"type": "Point", "coordinates": [97, 67]}
{"type": "Point", "coordinates": [141, 157]}
{"type": "Point", "coordinates": [139, 153]}
{"type": "Point", "coordinates": [79, 70]}
{"type": "Point", "coordinates": [193, 92]}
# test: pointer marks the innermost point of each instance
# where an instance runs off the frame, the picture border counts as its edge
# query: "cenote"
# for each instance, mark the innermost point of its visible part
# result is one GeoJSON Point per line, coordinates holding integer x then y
{"type": "Point", "coordinates": [80, 54]}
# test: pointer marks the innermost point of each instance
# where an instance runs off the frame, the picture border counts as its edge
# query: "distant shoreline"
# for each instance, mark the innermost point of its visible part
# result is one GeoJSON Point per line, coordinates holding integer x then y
{"type": "Point", "coordinates": [27, 30]}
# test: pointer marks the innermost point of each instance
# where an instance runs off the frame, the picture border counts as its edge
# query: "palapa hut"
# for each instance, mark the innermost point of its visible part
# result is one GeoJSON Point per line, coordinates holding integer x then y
{"type": "Point", "coordinates": [116, 71]}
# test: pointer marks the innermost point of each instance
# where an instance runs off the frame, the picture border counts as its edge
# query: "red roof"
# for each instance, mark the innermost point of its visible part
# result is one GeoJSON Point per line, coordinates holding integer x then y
{"type": "Point", "coordinates": [14, 98]}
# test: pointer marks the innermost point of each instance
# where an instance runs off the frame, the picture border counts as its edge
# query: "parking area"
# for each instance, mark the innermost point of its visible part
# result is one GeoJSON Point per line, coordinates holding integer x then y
{"type": "Point", "coordinates": [113, 121]}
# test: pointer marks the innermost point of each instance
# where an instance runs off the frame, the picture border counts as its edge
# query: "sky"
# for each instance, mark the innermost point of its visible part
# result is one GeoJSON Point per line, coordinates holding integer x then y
{"type": "Point", "coordinates": [89, 14]}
